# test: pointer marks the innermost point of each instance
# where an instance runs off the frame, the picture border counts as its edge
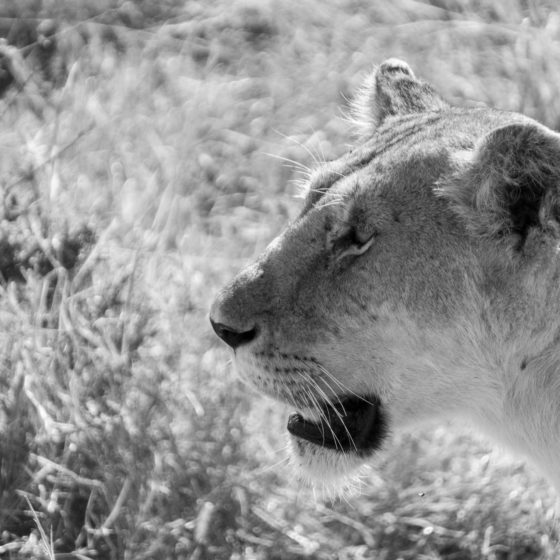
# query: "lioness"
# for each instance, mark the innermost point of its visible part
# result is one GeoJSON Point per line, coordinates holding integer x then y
{"type": "Point", "coordinates": [421, 280]}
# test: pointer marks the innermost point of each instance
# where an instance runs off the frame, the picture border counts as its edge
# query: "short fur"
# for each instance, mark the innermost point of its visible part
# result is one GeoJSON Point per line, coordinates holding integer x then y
{"type": "Point", "coordinates": [424, 270]}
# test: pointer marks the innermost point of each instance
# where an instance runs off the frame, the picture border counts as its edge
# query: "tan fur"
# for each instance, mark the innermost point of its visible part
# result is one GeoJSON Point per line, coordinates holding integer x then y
{"type": "Point", "coordinates": [424, 270]}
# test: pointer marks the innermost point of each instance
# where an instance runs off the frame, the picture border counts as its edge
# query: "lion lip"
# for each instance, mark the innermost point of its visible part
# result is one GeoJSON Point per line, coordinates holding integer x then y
{"type": "Point", "coordinates": [353, 424]}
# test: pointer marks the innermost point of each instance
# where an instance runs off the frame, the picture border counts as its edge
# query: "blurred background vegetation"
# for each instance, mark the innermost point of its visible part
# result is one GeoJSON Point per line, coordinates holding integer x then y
{"type": "Point", "coordinates": [147, 151]}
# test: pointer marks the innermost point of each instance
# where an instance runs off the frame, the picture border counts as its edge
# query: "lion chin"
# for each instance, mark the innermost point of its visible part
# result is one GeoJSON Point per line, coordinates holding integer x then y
{"type": "Point", "coordinates": [331, 474]}
{"type": "Point", "coordinates": [329, 445]}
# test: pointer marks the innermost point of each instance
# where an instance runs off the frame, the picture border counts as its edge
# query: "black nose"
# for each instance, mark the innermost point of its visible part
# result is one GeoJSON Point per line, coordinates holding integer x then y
{"type": "Point", "coordinates": [231, 336]}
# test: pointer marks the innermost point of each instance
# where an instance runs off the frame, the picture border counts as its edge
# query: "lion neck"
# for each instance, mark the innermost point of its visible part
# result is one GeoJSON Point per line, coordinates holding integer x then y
{"type": "Point", "coordinates": [531, 411]}
{"type": "Point", "coordinates": [528, 359]}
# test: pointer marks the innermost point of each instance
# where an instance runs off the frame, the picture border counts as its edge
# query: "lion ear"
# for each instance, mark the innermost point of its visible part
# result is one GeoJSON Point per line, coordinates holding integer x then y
{"type": "Point", "coordinates": [510, 184]}
{"type": "Point", "coordinates": [392, 90]}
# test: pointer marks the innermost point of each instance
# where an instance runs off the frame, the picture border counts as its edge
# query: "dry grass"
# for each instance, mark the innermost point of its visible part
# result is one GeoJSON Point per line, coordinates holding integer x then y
{"type": "Point", "coordinates": [139, 187]}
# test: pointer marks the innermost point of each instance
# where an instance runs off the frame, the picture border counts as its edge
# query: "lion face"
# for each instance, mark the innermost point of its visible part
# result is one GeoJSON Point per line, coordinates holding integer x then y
{"type": "Point", "coordinates": [376, 308]}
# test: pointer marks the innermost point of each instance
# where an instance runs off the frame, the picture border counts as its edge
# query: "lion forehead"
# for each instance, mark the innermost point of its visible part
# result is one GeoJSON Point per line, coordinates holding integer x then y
{"type": "Point", "coordinates": [403, 152]}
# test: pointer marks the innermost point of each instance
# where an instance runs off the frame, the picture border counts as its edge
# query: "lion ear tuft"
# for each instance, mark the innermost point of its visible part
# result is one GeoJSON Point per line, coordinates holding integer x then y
{"type": "Point", "coordinates": [392, 90]}
{"type": "Point", "coordinates": [510, 184]}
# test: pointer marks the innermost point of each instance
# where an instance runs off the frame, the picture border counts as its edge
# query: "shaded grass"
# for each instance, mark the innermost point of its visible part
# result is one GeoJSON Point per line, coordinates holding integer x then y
{"type": "Point", "coordinates": [120, 420]}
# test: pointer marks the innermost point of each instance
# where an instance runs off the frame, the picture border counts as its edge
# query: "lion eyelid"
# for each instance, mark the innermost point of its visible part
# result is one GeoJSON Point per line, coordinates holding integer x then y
{"type": "Point", "coordinates": [356, 249]}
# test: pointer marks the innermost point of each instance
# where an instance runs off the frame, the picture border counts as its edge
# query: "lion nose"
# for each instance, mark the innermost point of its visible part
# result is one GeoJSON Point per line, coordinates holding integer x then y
{"type": "Point", "coordinates": [231, 336]}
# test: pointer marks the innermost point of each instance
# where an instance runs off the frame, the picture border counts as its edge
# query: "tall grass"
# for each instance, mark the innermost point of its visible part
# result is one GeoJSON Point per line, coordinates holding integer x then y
{"type": "Point", "coordinates": [149, 177]}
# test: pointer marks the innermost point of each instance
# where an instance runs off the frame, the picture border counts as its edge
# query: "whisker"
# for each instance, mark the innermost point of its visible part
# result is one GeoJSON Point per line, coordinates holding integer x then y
{"type": "Point", "coordinates": [301, 167]}
{"type": "Point", "coordinates": [334, 394]}
{"type": "Point", "coordinates": [330, 172]}
{"type": "Point", "coordinates": [330, 378]}
{"type": "Point", "coordinates": [329, 403]}
{"type": "Point", "coordinates": [318, 407]}
{"type": "Point", "coordinates": [313, 156]}
{"type": "Point", "coordinates": [333, 406]}
{"type": "Point", "coordinates": [340, 384]}
{"type": "Point", "coordinates": [333, 202]}
{"type": "Point", "coordinates": [340, 416]}
{"type": "Point", "coordinates": [321, 415]}
{"type": "Point", "coordinates": [274, 466]}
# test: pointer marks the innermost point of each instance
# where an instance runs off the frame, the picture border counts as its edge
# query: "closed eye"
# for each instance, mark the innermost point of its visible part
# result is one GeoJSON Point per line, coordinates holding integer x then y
{"type": "Point", "coordinates": [354, 244]}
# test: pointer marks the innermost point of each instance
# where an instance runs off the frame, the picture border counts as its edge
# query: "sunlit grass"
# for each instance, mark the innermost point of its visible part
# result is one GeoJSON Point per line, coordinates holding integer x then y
{"type": "Point", "coordinates": [162, 166]}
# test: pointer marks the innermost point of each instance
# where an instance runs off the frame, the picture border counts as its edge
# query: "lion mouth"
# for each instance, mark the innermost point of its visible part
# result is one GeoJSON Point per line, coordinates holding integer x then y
{"type": "Point", "coordinates": [354, 424]}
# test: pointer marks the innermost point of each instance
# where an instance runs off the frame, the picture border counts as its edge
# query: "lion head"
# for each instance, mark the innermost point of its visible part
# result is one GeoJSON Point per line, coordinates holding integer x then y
{"type": "Point", "coordinates": [419, 281]}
